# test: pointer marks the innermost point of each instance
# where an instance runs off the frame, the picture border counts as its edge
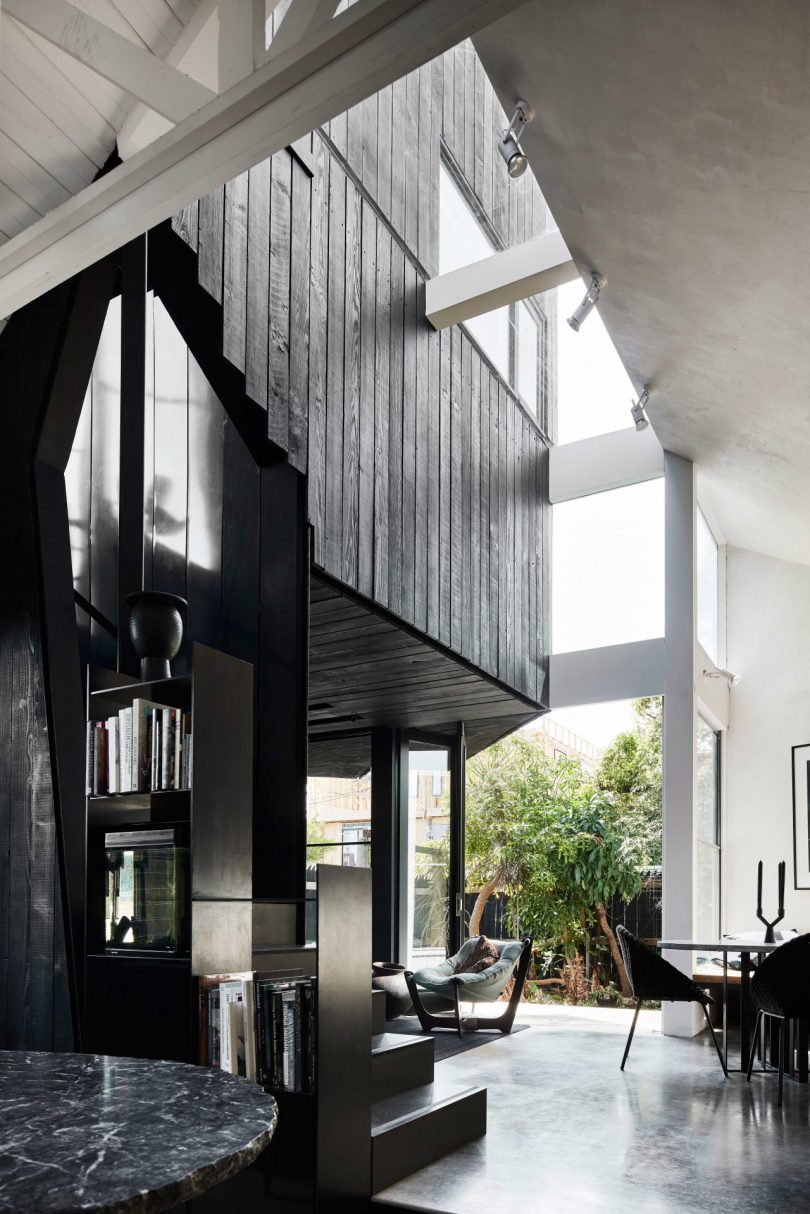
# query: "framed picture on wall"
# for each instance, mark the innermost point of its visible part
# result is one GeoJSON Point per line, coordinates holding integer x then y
{"type": "Point", "coordinates": [801, 816]}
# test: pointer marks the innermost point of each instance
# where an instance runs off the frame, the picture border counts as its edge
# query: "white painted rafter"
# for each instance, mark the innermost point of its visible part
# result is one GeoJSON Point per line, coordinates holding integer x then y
{"type": "Point", "coordinates": [118, 59]}
{"type": "Point", "coordinates": [301, 18]}
{"type": "Point", "coordinates": [504, 278]}
{"type": "Point", "coordinates": [338, 65]}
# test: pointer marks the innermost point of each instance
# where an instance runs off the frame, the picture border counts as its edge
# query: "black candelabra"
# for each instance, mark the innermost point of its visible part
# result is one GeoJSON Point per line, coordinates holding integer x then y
{"type": "Point", "coordinates": [769, 933]}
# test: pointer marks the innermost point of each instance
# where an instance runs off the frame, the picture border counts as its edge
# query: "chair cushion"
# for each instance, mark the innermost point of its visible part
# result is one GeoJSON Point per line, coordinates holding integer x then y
{"type": "Point", "coordinates": [483, 955]}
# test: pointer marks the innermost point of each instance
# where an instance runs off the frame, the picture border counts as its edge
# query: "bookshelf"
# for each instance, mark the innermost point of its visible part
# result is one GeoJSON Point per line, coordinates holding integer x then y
{"type": "Point", "coordinates": [143, 1005]}
{"type": "Point", "coordinates": [148, 1006]}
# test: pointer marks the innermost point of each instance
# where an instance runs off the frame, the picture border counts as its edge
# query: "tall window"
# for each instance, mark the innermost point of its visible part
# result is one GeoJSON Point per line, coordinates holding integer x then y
{"type": "Point", "coordinates": [510, 337]}
{"type": "Point", "coordinates": [708, 629]}
{"type": "Point", "coordinates": [707, 832]}
{"type": "Point", "coordinates": [607, 568]}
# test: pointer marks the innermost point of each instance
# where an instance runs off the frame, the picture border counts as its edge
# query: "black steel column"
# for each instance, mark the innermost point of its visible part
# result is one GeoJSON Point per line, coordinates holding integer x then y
{"type": "Point", "coordinates": [458, 778]}
{"type": "Point", "coordinates": [386, 756]}
{"type": "Point", "coordinates": [131, 460]}
{"type": "Point", "coordinates": [280, 807]}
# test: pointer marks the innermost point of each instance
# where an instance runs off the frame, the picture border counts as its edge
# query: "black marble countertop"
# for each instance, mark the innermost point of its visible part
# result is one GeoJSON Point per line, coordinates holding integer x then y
{"type": "Point", "coordinates": [121, 1135]}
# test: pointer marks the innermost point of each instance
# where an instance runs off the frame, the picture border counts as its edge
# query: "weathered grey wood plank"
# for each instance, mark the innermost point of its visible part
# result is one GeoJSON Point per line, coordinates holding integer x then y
{"type": "Point", "coordinates": [457, 572]}
{"type": "Point", "coordinates": [445, 485]}
{"type": "Point", "coordinates": [278, 349]}
{"type": "Point", "coordinates": [351, 385]}
{"type": "Point", "coordinates": [382, 421]}
{"type": "Point", "coordinates": [234, 294]}
{"type": "Point", "coordinates": [333, 556]}
{"type": "Point", "coordinates": [258, 282]}
{"type": "Point", "coordinates": [210, 242]}
{"type": "Point", "coordinates": [299, 315]}
{"type": "Point", "coordinates": [473, 649]}
{"type": "Point", "coordinates": [395, 431]}
{"type": "Point", "coordinates": [433, 461]}
{"type": "Point", "coordinates": [368, 320]}
{"type": "Point", "coordinates": [318, 272]}
{"type": "Point", "coordinates": [409, 396]}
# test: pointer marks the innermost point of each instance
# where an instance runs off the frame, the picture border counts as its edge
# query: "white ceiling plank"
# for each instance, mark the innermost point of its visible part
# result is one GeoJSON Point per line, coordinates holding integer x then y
{"type": "Point", "coordinates": [23, 58]}
{"type": "Point", "coordinates": [43, 140]}
{"type": "Point", "coordinates": [28, 178]}
{"type": "Point", "coordinates": [112, 56]}
{"type": "Point", "coordinates": [110, 14]}
{"type": "Point", "coordinates": [357, 54]}
{"type": "Point", "coordinates": [15, 215]}
{"type": "Point", "coordinates": [504, 278]}
{"type": "Point", "coordinates": [301, 18]}
{"type": "Point", "coordinates": [106, 99]}
{"type": "Point", "coordinates": [155, 21]}
{"type": "Point", "coordinates": [142, 125]}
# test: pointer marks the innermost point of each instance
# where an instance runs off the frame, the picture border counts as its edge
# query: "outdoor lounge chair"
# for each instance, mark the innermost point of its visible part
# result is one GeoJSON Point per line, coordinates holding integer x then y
{"type": "Point", "coordinates": [652, 977]}
{"type": "Point", "coordinates": [439, 989]}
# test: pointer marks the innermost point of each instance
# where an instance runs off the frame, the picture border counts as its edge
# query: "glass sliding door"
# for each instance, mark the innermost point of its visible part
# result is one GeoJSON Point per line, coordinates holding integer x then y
{"type": "Point", "coordinates": [707, 832]}
{"type": "Point", "coordinates": [425, 865]}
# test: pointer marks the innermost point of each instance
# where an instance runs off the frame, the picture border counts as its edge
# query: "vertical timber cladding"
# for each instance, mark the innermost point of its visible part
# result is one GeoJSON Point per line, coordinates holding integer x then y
{"type": "Point", "coordinates": [426, 478]}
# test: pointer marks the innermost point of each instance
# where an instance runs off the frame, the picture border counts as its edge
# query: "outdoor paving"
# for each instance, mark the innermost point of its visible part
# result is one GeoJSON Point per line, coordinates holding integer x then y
{"type": "Point", "coordinates": [568, 1131]}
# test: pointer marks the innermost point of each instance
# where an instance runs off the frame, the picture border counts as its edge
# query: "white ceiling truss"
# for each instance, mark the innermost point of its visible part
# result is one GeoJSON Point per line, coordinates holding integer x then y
{"type": "Point", "coordinates": [194, 92]}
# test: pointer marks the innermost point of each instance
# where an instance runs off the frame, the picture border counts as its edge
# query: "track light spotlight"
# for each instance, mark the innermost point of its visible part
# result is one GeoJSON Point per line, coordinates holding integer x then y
{"type": "Point", "coordinates": [637, 409]}
{"type": "Point", "coordinates": [731, 679]}
{"type": "Point", "coordinates": [509, 142]}
{"type": "Point", "coordinates": [598, 282]}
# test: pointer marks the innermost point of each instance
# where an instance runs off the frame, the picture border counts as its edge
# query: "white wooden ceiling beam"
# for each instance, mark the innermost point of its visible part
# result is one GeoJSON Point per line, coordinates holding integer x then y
{"type": "Point", "coordinates": [118, 59]}
{"type": "Point", "coordinates": [238, 28]}
{"type": "Point", "coordinates": [353, 56]}
{"type": "Point", "coordinates": [301, 18]}
{"type": "Point", "coordinates": [190, 52]}
{"type": "Point", "coordinates": [504, 278]}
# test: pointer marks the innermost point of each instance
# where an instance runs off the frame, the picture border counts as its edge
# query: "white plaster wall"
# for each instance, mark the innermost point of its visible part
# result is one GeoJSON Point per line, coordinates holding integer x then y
{"type": "Point", "coordinates": [768, 620]}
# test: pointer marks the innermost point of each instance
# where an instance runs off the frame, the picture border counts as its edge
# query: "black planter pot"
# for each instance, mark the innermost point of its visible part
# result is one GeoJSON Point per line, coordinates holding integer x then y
{"type": "Point", "coordinates": [156, 629]}
{"type": "Point", "coordinates": [388, 977]}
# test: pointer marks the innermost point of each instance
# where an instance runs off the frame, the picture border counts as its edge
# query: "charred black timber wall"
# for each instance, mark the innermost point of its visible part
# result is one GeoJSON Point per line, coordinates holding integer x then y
{"type": "Point", "coordinates": [427, 479]}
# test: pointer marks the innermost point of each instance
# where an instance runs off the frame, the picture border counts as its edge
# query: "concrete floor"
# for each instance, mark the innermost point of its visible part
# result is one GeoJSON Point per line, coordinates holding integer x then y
{"type": "Point", "coordinates": [567, 1131]}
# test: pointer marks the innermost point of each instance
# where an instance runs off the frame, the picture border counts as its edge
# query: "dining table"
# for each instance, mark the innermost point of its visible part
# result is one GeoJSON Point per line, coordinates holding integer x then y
{"type": "Point", "coordinates": [748, 951]}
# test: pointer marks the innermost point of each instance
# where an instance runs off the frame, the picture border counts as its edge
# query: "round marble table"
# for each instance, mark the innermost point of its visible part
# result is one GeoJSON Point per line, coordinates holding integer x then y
{"type": "Point", "coordinates": [121, 1135]}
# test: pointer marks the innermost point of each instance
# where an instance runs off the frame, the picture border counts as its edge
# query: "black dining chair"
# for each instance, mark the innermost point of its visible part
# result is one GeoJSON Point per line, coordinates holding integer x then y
{"type": "Point", "coordinates": [651, 977]}
{"type": "Point", "coordinates": [781, 988]}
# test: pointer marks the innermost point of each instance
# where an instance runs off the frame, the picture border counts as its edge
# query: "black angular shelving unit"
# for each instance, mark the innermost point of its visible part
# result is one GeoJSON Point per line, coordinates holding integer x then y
{"type": "Point", "coordinates": [145, 1006]}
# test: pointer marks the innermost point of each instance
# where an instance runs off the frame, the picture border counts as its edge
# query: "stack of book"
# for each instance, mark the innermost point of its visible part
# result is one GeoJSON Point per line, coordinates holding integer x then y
{"type": "Point", "coordinates": [145, 748]}
{"type": "Point", "coordinates": [261, 1026]}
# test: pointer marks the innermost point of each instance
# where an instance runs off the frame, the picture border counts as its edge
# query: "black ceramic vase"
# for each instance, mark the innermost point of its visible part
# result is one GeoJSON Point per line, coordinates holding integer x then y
{"type": "Point", "coordinates": [156, 629]}
{"type": "Point", "coordinates": [388, 977]}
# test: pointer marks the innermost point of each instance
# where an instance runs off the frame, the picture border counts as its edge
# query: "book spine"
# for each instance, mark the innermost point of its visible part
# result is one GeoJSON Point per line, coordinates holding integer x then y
{"type": "Point", "coordinates": [178, 748]}
{"type": "Point", "coordinates": [312, 1027]}
{"type": "Point", "coordinates": [89, 750]}
{"type": "Point", "coordinates": [288, 1005]}
{"type": "Point", "coordinates": [267, 1037]}
{"type": "Point", "coordinates": [154, 755]}
{"type": "Point", "coordinates": [112, 755]}
{"type": "Point", "coordinates": [99, 759]}
{"type": "Point", "coordinates": [214, 1027]}
{"type": "Point", "coordinates": [297, 1039]}
{"type": "Point", "coordinates": [278, 1042]}
{"type": "Point", "coordinates": [224, 1030]}
{"type": "Point", "coordinates": [166, 746]}
{"type": "Point", "coordinates": [202, 1035]}
{"type": "Point", "coordinates": [125, 717]}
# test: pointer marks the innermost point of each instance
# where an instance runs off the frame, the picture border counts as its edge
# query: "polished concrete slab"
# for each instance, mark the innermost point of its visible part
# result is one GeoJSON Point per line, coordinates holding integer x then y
{"type": "Point", "coordinates": [568, 1131]}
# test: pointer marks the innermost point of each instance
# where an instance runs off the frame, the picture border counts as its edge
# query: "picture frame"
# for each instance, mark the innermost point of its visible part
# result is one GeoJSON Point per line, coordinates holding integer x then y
{"type": "Point", "coordinates": [801, 815]}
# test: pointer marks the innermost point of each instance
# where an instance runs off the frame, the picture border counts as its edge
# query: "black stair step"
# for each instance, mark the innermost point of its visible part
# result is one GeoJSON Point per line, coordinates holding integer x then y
{"type": "Point", "coordinates": [417, 1127]}
{"type": "Point", "coordinates": [399, 1063]}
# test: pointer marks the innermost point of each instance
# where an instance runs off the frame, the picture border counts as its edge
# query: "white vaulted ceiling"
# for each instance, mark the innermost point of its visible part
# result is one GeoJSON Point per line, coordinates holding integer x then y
{"type": "Point", "coordinates": [672, 142]}
{"type": "Point", "coordinates": [60, 119]}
